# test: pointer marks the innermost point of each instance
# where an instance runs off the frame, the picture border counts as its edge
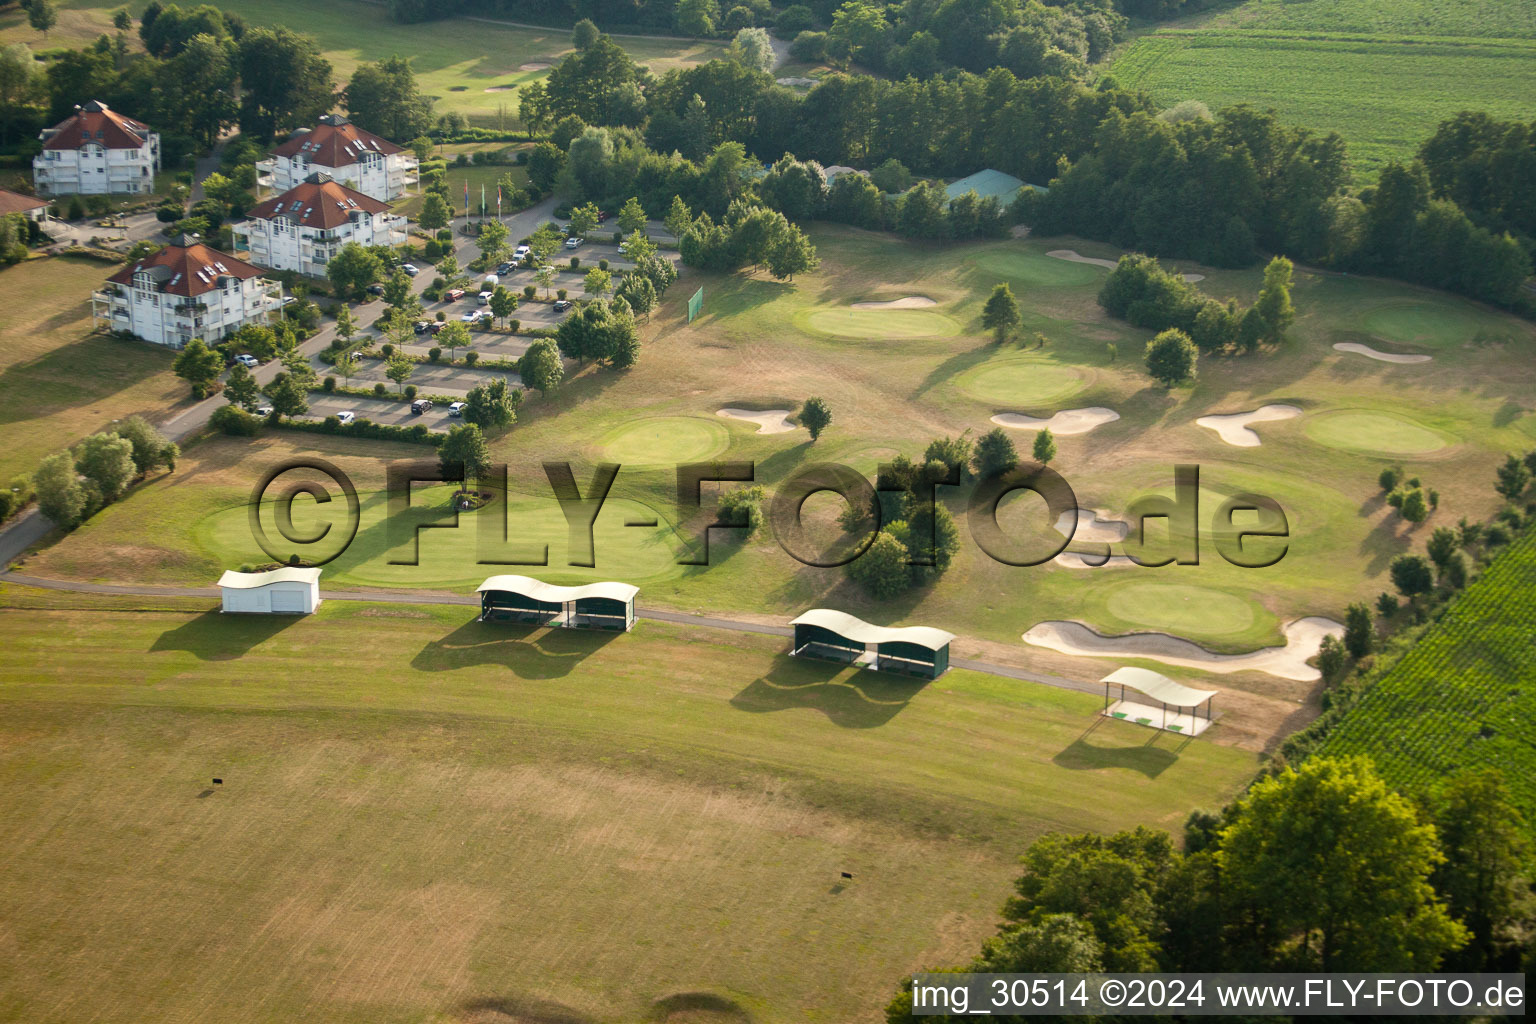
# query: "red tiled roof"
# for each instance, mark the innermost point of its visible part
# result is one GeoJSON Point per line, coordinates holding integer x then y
{"type": "Point", "coordinates": [15, 202]}
{"type": "Point", "coordinates": [318, 204]}
{"type": "Point", "coordinates": [95, 122]}
{"type": "Point", "coordinates": [335, 142]}
{"type": "Point", "coordinates": [188, 270]}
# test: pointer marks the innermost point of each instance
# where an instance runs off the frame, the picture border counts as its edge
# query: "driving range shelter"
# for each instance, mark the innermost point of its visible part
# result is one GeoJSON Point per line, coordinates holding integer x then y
{"type": "Point", "coordinates": [526, 600]}
{"type": "Point", "coordinates": [837, 636]}
{"type": "Point", "coordinates": [1178, 706]}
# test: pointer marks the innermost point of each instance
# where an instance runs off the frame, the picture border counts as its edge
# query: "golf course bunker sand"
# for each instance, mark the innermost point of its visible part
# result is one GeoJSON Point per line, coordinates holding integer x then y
{"type": "Point", "coordinates": [500, 88]}
{"type": "Point", "coordinates": [905, 302]}
{"type": "Point", "coordinates": [1303, 637]}
{"type": "Point", "coordinates": [1068, 421]}
{"type": "Point", "coordinates": [1078, 560]}
{"type": "Point", "coordinates": [534, 65]}
{"type": "Point", "coordinates": [1073, 256]}
{"type": "Point", "coordinates": [769, 421]}
{"type": "Point", "coordinates": [1385, 357]}
{"type": "Point", "coordinates": [1091, 526]}
{"type": "Point", "coordinates": [1233, 428]}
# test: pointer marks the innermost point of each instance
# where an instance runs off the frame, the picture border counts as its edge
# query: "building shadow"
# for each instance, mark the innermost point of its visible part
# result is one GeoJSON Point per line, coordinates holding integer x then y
{"type": "Point", "coordinates": [215, 636]}
{"type": "Point", "coordinates": [1095, 749]}
{"type": "Point", "coordinates": [528, 652]}
{"type": "Point", "coordinates": [851, 699]}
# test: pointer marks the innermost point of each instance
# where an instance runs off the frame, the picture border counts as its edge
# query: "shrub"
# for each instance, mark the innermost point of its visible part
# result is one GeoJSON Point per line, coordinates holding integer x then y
{"type": "Point", "coordinates": [387, 349]}
{"type": "Point", "coordinates": [7, 505]}
{"type": "Point", "coordinates": [575, 262]}
{"type": "Point", "coordinates": [602, 264]}
{"type": "Point", "coordinates": [514, 325]}
{"type": "Point", "coordinates": [529, 291]}
{"type": "Point", "coordinates": [380, 391]}
{"type": "Point", "coordinates": [330, 383]}
{"type": "Point", "coordinates": [234, 421]}
{"type": "Point", "coordinates": [410, 392]}
{"type": "Point", "coordinates": [434, 353]}
{"type": "Point", "coordinates": [471, 357]}
{"type": "Point", "coordinates": [560, 293]}
{"type": "Point", "coordinates": [1389, 478]}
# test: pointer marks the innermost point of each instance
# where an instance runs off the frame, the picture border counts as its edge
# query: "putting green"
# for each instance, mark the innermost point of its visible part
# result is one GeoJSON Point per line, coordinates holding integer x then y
{"type": "Point", "coordinates": [1424, 323]}
{"type": "Point", "coordinates": [1372, 432]}
{"type": "Point", "coordinates": [884, 324]}
{"type": "Point", "coordinates": [663, 440]}
{"type": "Point", "coordinates": [1019, 384]}
{"type": "Point", "coordinates": [1180, 609]}
{"type": "Point", "coordinates": [1036, 268]}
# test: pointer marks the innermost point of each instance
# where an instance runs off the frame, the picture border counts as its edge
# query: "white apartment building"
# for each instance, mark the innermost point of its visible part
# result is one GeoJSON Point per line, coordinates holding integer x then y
{"type": "Point", "coordinates": [362, 160]}
{"type": "Point", "coordinates": [95, 152]}
{"type": "Point", "coordinates": [308, 224]}
{"type": "Point", "coordinates": [186, 290]}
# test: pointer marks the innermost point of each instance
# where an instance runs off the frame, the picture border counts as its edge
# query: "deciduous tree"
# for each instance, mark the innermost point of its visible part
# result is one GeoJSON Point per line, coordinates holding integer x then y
{"type": "Point", "coordinates": [1001, 313]}
{"type": "Point", "coordinates": [815, 415]}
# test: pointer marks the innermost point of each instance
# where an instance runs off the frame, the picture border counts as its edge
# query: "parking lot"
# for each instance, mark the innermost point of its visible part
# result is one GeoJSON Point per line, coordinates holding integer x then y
{"type": "Point", "coordinates": [379, 410]}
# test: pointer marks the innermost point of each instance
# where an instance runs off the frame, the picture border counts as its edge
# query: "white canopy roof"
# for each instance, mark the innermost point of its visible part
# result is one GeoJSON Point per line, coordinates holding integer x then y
{"type": "Point", "coordinates": [859, 631]}
{"type": "Point", "coordinates": [1159, 687]}
{"type": "Point", "coordinates": [251, 580]}
{"type": "Point", "coordinates": [541, 591]}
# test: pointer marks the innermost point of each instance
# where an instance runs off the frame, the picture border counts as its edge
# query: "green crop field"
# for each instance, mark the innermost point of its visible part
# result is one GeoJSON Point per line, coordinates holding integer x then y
{"type": "Point", "coordinates": [1384, 94]}
{"type": "Point", "coordinates": [1465, 694]}
{"type": "Point", "coordinates": [470, 66]}
{"type": "Point", "coordinates": [421, 815]}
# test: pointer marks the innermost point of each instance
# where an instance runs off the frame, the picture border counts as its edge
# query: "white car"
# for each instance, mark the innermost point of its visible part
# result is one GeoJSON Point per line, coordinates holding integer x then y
{"type": "Point", "coordinates": [263, 410]}
{"type": "Point", "coordinates": [572, 242]}
{"type": "Point", "coordinates": [472, 317]}
{"type": "Point", "coordinates": [520, 252]}
{"type": "Point", "coordinates": [485, 298]}
{"type": "Point", "coordinates": [410, 268]}
{"type": "Point", "coordinates": [346, 417]}
{"type": "Point", "coordinates": [247, 361]}
{"type": "Point", "coordinates": [456, 409]}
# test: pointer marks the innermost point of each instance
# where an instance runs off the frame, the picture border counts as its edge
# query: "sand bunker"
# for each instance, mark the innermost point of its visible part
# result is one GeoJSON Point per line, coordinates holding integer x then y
{"type": "Point", "coordinates": [1385, 357]}
{"type": "Point", "coordinates": [1068, 421]}
{"type": "Point", "coordinates": [1233, 427]}
{"type": "Point", "coordinates": [1079, 560]}
{"type": "Point", "coordinates": [1092, 526]}
{"type": "Point", "coordinates": [905, 302]}
{"type": "Point", "coordinates": [769, 421]}
{"type": "Point", "coordinates": [1072, 256]}
{"type": "Point", "coordinates": [1302, 640]}
{"type": "Point", "coordinates": [534, 65]}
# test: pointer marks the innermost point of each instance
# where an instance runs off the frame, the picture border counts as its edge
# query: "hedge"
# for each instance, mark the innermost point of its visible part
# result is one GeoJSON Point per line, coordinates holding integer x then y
{"type": "Point", "coordinates": [366, 428]}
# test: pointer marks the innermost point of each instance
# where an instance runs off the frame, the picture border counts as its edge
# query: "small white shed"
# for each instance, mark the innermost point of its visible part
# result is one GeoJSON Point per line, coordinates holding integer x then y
{"type": "Point", "coordinates": [286, 591]}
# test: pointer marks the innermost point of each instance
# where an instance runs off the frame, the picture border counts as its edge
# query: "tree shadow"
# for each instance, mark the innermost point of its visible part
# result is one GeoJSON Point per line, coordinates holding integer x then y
{"type": "Point", "coordinates": [857, 699]}
{"type": "Point", "coordinates": [528, 652]}
{"type": "Point", "coordinates": [954, 366]}
{"type": "Point", "coordinates": [520, 1010]}
{"type": "Point", "coordinates": [215, 636]}
{"type": "Point", "coordinates": [1149, 757]}
{"type": "Point", "coordinates": [699, 1005]}
{"type": "Point", "coordinates": [1508, 413]}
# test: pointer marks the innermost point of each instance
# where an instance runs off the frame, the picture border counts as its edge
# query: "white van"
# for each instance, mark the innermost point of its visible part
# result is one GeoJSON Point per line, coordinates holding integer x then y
{"type": "Point", "coordinates": [485, 298]}
{"type": "Point", "coordinates": [491, 281]}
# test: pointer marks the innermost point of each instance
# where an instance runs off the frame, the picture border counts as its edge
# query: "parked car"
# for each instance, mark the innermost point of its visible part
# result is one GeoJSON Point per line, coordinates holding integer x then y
{"type": "Point", "coordinates": [263, 410]}
{"type": "Point", "coordinates": [490, 282]}
{"type": "Point", "coordinates": [247, 361]}
{"type": "Point", "coordinates": [562, 305]}
{"type": "Point", "coordinates": [602, 215]}
{"type": "Point", "coordinates": [505, 268]}
{"type": "Point", "coordinates": [410, 268]}
{"type": "Point", "coordinates": [346, 417]}
{"type": "Point", "coordinates": [623, 248]}
{"type": "Point", "coordinates": [454, 294]}
{"type": "Point", "coordinates": [436, 326]}
{"type": "Point", "coordinates": [573, 242]}
{"type": "Point", "coordinates": [375, 290]}
{"type": "Point", "coordinates": [484, 298]}
{"type": "Point", "coordinates": [421, 326]}
{"type": "Point", "coordinates": [472, 317]}
{"type": "Point", "coordinates": [421, 405]}
{"type": "Point", "coordinates": [520, 252]}
{"type": "Point", "coordinates": [456, 409]}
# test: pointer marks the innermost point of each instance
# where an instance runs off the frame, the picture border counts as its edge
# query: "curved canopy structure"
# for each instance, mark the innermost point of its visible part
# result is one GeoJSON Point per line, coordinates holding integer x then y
{"type": "Point", "coordinates": [549, 592]}
{"type": "Point", "coordinates": [1159, 687]}
{"type": "Point", "coordinates": [232, 580]}
{"type": "Point", "coordinates": [859, 631]}
{"type": "Point", "coordinates": [590, 606]}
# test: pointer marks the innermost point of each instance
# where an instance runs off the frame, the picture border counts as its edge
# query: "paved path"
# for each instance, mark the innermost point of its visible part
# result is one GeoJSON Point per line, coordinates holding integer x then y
{"type": "Point", "coordinates": [470, 600]}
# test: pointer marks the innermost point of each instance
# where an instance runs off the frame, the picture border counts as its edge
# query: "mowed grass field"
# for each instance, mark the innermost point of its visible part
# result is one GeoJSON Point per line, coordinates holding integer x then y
{"type": "Point", "coordinates": [761, 344]}
{"type": "Point", "coordinates": [427, 819]}
{"type": "Point", "coordinates": [1462, 696]}
{"type": "Point", "coordinates": [1381, 75]}
{"type": "Point", "coordinates": [58, 382]}
{"type": "Point", "coordinates": [470, 66]}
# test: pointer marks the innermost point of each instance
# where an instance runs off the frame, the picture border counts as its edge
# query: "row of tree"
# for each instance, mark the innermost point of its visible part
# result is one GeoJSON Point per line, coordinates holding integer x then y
{"type": "Point", "coordinates": [1317, 868]}
{"type": "Point", "coordinates": [1145, 295]}
{"type": "Point", "coordinates": [73, 485]}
